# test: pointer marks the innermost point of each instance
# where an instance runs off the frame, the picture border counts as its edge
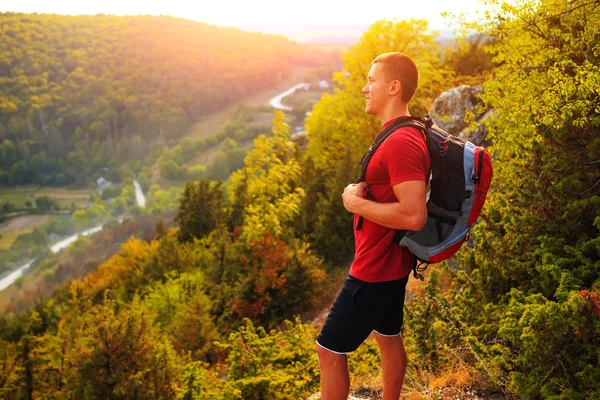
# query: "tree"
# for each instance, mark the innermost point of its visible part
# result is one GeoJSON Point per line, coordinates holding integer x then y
{"type": "Point", "coordinates": [270, 183]}
{"type": "Point", "coordinates": [8, 207]}
{"type": "Point", "coordinates": [121, 355]}
{"type": "Point", "coordinates": [19, 173]}
{"type": "Point", "coordinates": [8, 153]}
{"type": "Point", "coordinates": [60, 101]}
{"type": "Point", "coordinates": [200, 209]}
{"type": "Point", "coordinates": [469, 59]}
{"type": "Point", "coordinates": [45, 203]}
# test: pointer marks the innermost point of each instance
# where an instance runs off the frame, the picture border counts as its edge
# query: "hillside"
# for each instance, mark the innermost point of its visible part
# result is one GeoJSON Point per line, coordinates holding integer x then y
{"type": "Point", "coordinates": [82, 93]}
{"type": "Point", "coordinates": [213, 306]}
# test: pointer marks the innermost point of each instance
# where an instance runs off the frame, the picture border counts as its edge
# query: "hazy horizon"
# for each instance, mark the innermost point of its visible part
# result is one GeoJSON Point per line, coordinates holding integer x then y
{"type": "Point", "coordinates": [299, 21]}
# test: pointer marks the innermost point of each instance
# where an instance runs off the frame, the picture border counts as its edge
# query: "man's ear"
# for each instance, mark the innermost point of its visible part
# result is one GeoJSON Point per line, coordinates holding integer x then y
{"type": "Point", "coordinates": [396, 87]}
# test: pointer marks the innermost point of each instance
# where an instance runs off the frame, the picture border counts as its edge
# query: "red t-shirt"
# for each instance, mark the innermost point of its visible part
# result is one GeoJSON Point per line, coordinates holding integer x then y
{"type": "Point", "coordinates": [403, 156]}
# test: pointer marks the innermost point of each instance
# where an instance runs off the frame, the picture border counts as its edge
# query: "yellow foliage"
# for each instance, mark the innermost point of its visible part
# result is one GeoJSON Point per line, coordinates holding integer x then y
{"type": "Point", "coordinates": [270, 181]}
{"type": "Point", "coordinates": [129, 259]}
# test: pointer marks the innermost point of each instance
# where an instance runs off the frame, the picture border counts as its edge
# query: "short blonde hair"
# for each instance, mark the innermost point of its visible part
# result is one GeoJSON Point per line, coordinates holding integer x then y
{"type": "Point", "coordinates": [399, 66]}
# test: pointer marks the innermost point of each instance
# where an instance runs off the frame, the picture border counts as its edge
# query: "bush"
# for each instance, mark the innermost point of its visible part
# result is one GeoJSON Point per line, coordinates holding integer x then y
{"type": "Point", "coordinates": [275, 365]}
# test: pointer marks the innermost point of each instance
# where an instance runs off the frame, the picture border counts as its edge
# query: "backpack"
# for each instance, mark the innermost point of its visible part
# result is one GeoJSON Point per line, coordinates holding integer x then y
{"type": "Point", "coordinates": [460, 178]}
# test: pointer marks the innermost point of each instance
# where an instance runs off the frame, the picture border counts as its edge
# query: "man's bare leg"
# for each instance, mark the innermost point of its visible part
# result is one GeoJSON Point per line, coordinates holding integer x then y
{"type": "Point", "coordinates": [335, 379]}
{"type": "Point", "coordinates": [393, 364]}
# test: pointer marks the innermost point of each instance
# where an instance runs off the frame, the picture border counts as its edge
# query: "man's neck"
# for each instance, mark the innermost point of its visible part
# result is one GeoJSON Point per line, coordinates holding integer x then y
{"type": "Point", "coordinates": [393, 114]}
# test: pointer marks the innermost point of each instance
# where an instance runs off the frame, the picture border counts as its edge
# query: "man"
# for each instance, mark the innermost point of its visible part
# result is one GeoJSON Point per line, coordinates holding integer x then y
{"type": "Point", "coordinates": [393, 196]}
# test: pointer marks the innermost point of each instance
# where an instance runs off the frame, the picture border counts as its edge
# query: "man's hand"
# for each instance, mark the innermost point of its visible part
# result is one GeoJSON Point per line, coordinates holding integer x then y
{"type": "Point", "coordinates": [352, 194]}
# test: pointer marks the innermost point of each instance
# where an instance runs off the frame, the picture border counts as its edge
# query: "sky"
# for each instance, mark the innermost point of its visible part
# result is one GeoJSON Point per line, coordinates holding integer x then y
{"type": "Point", "coordinates": [258, 12]}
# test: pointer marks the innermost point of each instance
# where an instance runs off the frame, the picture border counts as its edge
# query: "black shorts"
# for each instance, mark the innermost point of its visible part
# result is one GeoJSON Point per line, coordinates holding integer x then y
{"type": "Point", "coordinates": [360, 308]}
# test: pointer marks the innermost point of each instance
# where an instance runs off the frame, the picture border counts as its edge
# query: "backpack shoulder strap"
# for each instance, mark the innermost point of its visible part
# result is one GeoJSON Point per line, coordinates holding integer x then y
{"type": "Point", "coordinates": [414, 122]}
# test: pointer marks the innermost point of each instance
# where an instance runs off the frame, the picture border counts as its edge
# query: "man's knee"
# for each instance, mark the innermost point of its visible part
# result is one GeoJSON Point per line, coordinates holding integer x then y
{"type": "Point", "coordinates": [389, 342]}
{"type": "Point", "coordinates": [328, 356]}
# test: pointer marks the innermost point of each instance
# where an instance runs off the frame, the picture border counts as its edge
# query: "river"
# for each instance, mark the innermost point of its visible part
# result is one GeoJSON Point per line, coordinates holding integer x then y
{"type": "Point", "coordinates": [139, 195]}
{"type": "Point", "coordinates": [8, 278]}
{"type": "Point", "coordinates": [276, 101]}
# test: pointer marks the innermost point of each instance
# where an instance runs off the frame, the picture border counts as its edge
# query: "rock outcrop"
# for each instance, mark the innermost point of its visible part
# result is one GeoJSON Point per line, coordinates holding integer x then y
{"type": "Point", "coordinates": [300, 137]}
{"type": "Point", "coordinates": [449, 109]}
{"type": "Point", "coordinates": [449, 112]}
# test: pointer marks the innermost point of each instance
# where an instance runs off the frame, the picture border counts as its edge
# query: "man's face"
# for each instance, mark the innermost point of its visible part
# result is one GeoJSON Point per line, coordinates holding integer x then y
{"type": "Point", "coordinates": [376, 90]}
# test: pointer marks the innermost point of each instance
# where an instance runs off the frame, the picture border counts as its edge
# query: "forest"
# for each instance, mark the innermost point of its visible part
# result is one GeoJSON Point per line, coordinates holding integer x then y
{"type": "Point", "coordinates": [217, 302]}
{"type": "Point", "coordinates": [84, 94]}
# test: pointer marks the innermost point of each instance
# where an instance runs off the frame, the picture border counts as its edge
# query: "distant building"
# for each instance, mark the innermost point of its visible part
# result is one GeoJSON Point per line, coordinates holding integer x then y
{"type": "Point", "coordinates": [324, 85]}
{"type": "Point", "coordinates": [103, 184]}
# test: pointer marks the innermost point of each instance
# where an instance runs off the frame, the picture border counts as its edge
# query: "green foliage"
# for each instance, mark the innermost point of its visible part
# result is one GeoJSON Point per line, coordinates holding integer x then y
{"type": "Point", "coordinates": [97, 90]}
{"type": "Point", "coordinates": [122, 355]}
{"type": "Point", "coordinates": [159, 200]}
{"type": "Point", "coordinates": [268, 184]}
{"type": "Point", "coordinates": [200, 209]}
{"type": "Point", "coordinates": [536, 248]}
{"type": "Point", "coordinates": [541, 210]}
{"type": "Point", "coordinates": [10, 371]}
{"type": "Point", "coordinates": [521, 309]}
{"type": "Point", "coordinates": [469, 60]}
{"type": "Point", "coordinates": [90, 216]}
{"type": "Point", "coordinates": [197, 172]}
{"type": "Point", "coordinates": [45, 203]}
{"type": "Point", "coordinates": [275, 365]}
{"type": "Point", "coordinates": [562, 335]}
{"type": "Point", "coordinates": [199, 382]}
{"type": "Point", "coordinates": [183, 310]}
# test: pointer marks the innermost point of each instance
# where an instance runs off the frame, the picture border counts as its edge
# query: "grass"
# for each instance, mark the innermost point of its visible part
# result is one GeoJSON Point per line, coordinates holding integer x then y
{"type": "Point", "coordinates": [66, 196]}
{"type": "Point", "coordinates": [18, 195]}
{"type": "Point", "coordinates": [8, 238]}
{"type": "Point", "coordinates": [179, 184]}
{"type": "Point", "coordinates": [13, 227]}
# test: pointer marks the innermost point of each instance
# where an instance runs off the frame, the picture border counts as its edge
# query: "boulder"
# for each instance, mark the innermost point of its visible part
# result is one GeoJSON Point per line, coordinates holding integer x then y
{"type": "Point", "coordinates": [300, 137]}
{"type": "Point", "coordinates": [449, 109]}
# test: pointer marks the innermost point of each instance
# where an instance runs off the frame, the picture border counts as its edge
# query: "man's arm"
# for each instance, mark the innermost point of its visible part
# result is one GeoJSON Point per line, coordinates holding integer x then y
{"type": "Point", "coordinates": [409, 212]}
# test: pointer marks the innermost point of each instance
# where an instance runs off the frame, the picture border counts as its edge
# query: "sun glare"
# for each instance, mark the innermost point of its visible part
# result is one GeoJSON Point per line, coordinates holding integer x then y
{"type": "Point", "coordinates": [266, 12]}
